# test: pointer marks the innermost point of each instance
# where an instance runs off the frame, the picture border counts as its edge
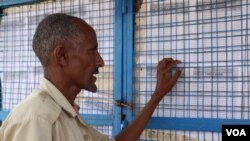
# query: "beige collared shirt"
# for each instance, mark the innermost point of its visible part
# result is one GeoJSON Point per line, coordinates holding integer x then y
{"type": "Point", "coordinates": [46, 115]}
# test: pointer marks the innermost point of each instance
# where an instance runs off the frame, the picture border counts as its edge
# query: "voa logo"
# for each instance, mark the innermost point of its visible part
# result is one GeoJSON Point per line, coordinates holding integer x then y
{"type": "Point", "coordinates": [236, 132]}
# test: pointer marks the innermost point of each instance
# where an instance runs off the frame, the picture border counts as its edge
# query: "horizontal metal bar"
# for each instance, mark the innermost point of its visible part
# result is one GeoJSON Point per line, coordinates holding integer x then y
{"type": "Point", "coordinates": [92, 119]}
{"type": "Point", "coordinates": [3, 115]}
{"type": "Point", "coordinates": [188, 124]}
{"type": "Point", "coordinates": [193, 124]}
{"type": "Point", "coordinates": [8, 3]}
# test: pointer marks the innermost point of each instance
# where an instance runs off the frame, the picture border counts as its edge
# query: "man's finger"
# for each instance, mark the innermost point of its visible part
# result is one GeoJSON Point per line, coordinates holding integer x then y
{"type": "Point", "coordinates": [172, 64]}
{"type": "Point", "coordinates": [176, 75]}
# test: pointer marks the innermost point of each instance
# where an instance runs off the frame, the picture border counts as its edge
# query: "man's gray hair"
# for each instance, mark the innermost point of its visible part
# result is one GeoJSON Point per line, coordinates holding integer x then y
{"type": "Point", "coordinates": [53, 29]}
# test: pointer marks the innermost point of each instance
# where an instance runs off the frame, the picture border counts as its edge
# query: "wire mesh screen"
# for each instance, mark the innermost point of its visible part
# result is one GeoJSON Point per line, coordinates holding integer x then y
{"type": "Point", "coordinates": [210, 37]}
{"type": "Point", "coordinates": [20, 70]}
{"type": "Point", "coordinates": [170, 135]}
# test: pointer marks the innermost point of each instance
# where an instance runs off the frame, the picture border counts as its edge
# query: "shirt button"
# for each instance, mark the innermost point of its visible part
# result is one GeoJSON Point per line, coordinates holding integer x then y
{"type": "Point", "coordinates": [86, 137]}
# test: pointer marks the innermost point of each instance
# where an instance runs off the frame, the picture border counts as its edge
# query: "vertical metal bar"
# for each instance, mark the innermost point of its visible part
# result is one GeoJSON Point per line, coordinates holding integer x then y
{"type": "Point", "coordinates": [123, 78]}
{"type": "Point", "coordinates": [128, 49]}
{"type": "Point", "coordinates": [118, 65]}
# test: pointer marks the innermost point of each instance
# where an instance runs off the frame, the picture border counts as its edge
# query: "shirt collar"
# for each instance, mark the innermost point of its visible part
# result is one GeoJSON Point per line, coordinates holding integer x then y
{"type": "Point", "coordinates": [58, 97]}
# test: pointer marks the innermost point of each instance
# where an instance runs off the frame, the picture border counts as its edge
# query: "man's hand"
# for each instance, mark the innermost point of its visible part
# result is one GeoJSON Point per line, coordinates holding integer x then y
{"type": "Point", "coordinates": [164, 84]}
{"type": "Point", "coordinates": [165, 81]}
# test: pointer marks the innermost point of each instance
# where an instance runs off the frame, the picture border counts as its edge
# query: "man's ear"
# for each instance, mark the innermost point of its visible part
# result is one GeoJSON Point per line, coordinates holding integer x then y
{"type": "Point", "coordinates": [60, 54]}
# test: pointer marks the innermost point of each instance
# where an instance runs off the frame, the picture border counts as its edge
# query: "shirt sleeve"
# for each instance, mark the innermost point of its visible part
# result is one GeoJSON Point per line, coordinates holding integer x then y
{"type": "Point", "coordinates": [34, 129]}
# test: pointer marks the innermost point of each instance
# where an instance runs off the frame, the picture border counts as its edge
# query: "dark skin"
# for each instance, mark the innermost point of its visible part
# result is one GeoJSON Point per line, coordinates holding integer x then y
{"type": "Point", "coordinates": [72, 70]}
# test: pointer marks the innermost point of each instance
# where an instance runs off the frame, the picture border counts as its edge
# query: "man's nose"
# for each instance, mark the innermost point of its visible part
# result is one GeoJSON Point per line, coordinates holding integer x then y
{"type": "Point", "coordinates": [100, 61]}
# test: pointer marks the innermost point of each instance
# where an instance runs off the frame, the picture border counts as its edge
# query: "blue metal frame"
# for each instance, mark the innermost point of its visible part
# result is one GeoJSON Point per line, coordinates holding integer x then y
{"type": "Point", "coordinates": [118, 65]}
{"type": "Point", "coordinates": [3, 115]}
{"type": "Point", "coordinates": [128, 60]}
{"type": "Point", "coordinates": [8, 3]}
{"type": "Point", "coordinates": [188, 124]}
{"type": "Point", "coordinates": [193, 124]}
{"type": "Point", "coordinates": [124, 36]}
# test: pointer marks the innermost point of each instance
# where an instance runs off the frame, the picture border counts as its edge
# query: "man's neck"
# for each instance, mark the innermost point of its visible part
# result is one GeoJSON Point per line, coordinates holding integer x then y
{"type": "Point", "coordinates": [68, 90]}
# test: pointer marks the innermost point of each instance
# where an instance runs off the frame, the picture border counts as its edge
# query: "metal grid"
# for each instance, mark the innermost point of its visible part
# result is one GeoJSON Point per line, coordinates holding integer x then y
{"type": "Point", "coordinates": [171, 135]}
{"type": "Point", "coordinates": [210, 37]}
{"type": "Point", "coordinates": [20, 70]}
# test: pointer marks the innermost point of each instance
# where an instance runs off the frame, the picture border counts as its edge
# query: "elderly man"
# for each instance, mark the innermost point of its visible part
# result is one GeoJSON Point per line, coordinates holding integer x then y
{"type": "Point", "coordinates": [67, 49]}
